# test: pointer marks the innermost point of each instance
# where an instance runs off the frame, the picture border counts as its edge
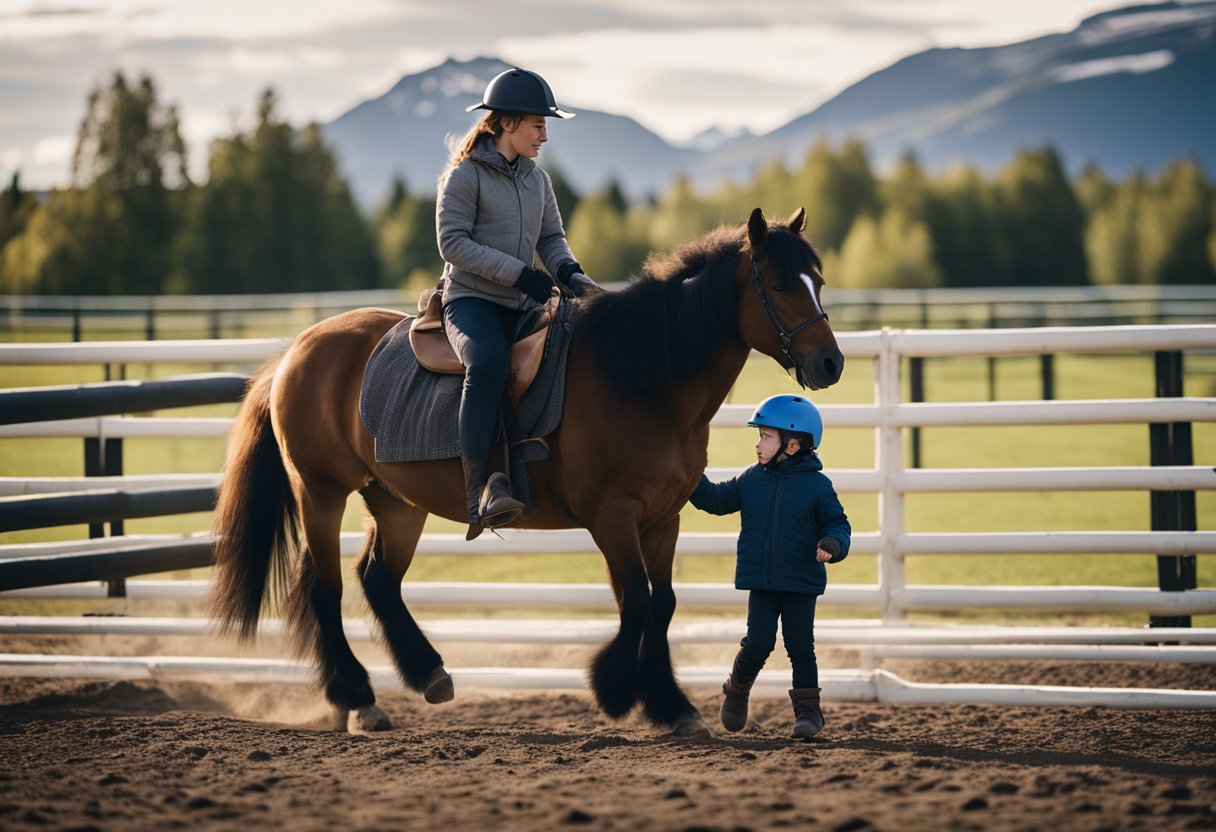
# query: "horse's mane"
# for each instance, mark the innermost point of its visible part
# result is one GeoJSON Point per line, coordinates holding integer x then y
{"type": "Point", "coordinates": [670, 320]}
{"type": "Point", "coordinates": [680, 311]}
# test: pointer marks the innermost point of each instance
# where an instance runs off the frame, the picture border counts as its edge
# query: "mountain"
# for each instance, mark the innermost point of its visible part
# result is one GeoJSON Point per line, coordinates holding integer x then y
{"type": "Point", "coordinates": [404, 131]}
{"type": "Point", "coordinates": [1128, 88]}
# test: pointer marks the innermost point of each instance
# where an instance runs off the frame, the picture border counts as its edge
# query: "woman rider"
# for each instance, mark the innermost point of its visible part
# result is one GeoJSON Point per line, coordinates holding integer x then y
{"type": "Point", "coordinates": [495, 214]}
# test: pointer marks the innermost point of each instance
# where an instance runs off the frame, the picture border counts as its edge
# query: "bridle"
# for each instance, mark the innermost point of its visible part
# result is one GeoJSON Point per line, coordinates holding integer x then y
{"type": "Point", "coordinates": [787, 337]}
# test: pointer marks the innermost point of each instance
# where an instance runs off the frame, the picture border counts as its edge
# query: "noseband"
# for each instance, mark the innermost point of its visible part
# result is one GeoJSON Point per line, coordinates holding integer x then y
{"type": "Point", "coordinates": [786, 337]}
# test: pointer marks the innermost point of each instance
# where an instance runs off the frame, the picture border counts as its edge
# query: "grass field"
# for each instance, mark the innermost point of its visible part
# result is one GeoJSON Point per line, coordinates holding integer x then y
{"type": "Point", "coordinates": [963, 379]}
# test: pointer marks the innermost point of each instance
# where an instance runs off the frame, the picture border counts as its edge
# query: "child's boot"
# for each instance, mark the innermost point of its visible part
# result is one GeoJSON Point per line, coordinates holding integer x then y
{"type": "Point", "coordinates": [808, 718]}
{"type": "Point", "coordinates": [734, 704]}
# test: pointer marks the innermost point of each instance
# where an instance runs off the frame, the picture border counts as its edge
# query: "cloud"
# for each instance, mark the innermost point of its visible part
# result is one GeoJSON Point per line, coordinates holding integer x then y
{"type": "Point", "coordinates": [237, 19]}
{"type": "Point", "coordinates": [11, 158]}
{"type": "Point", "coordinates": [54, 150]}
{"type": "Point", "coordinates": [683, 82]}
{"type": "Point", "coordinates": [278, 61]}
{"type": "Point", "coordinates": [677, 66]}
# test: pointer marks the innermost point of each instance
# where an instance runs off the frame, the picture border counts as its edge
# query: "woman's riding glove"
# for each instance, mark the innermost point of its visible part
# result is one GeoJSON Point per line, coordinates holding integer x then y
{"type": "Point", "coordinates": [535, 284]}
{"type": "Point", "coordinates": [570, 274]}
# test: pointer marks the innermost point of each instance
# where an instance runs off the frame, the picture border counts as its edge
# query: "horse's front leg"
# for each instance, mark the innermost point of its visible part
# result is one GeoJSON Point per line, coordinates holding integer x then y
{"type": "Point", "coordinates": [614, 670]}
{"type": "Point", "coordinates": [663, 700]}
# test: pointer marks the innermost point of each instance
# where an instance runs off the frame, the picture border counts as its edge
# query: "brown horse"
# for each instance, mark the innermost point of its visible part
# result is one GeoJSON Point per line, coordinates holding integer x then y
{"type": "Point", "coordinates": [648, 368]}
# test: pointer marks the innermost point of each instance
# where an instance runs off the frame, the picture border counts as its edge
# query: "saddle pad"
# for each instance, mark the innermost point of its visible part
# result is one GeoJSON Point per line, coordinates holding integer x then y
{"type": "Point", "coordinates": [414, 413]}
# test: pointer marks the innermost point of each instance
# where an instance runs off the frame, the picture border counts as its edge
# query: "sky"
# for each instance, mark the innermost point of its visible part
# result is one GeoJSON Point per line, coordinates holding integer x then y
{"type": "Point", "coordinates": [677, 66]}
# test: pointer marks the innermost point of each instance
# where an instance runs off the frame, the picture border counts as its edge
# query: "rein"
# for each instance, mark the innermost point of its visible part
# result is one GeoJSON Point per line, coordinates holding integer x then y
{"type": "Point", "coordinates": [786, 337]}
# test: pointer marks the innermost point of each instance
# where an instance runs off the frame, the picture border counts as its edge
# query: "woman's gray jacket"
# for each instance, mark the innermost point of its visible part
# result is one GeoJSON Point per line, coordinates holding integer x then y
{"type": "Point", "coordinates": [491, 221]}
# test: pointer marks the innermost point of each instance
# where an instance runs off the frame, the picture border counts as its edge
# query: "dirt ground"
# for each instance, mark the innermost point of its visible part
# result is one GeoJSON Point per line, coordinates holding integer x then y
{"type": "Point", "coordinates": [111, 755]}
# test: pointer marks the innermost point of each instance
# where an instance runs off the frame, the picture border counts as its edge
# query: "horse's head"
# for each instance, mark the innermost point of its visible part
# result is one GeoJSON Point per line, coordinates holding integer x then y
{"type": "Point", "coordinates": [780, 313]}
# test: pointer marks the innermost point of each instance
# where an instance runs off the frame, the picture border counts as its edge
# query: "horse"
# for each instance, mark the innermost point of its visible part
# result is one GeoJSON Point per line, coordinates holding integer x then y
{"type": "Point", "coordinates": [649, 365]}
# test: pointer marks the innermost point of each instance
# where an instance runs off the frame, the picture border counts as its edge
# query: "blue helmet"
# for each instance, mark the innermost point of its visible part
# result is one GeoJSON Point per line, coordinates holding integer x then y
{"type": "Point", "coordinates": [789, 414]}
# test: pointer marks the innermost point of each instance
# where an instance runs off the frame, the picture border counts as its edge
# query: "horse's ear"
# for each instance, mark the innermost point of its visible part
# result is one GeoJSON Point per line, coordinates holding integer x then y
{"type": "Point", "coordinates": [757, 231]}
{"type": "Point", "coordinates": [797, 221]}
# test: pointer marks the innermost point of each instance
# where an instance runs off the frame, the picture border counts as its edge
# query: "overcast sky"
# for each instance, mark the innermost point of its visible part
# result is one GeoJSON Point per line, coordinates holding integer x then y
{"type": "Point", "coordinates": [677, 66]}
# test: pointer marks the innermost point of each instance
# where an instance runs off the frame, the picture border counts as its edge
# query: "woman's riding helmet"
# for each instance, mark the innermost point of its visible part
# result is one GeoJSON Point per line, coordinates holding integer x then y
{"type": "Point", "coordinates": [520, 91]}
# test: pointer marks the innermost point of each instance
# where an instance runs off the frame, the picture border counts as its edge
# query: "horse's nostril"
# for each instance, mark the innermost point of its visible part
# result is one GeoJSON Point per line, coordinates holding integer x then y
{"type": "Point", "coordinates": [833, 366]}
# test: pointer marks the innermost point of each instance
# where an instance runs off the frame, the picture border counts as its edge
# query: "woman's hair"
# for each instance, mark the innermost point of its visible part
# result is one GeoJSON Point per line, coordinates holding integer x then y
{"type": "Point", "coordinates": [493, 123]}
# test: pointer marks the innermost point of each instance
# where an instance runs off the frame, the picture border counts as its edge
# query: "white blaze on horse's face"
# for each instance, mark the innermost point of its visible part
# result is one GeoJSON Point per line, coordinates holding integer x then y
{"type": "Point", "coordinates": [810, 286]}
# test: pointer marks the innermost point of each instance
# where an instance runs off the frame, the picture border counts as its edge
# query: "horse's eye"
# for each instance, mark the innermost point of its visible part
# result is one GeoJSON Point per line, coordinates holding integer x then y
{"type": "Point", "coordinates": [778, 287]}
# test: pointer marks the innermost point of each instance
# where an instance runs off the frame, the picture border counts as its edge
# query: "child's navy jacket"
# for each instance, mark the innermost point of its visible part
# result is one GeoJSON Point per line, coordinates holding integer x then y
{"type": "Point", "coordinates": [786, 511]}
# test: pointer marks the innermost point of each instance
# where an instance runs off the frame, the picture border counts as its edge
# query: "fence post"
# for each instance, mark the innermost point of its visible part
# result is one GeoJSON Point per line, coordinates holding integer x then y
{"type": "Point", "coordinates": [992, 358]}
{"type": "Point", "coordinates": [1047, 371]}
{"type": "Point", "coordinates": [1170, 444]}
{"type": "Point", "coordinates": [916, 392]}
{"type": "Point", "coordinates": [94, 466]}
{"type": "Point", "coordinates": [889, 461]}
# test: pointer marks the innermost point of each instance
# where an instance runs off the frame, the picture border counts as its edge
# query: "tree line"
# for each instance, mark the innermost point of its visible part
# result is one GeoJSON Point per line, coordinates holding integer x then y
{"type": "Point", "coordinates": [275, 215]}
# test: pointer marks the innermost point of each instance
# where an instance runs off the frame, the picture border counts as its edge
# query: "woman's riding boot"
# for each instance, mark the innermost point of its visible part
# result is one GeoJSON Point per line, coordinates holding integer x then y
{"type": "Point", "coordinates": [497, 507]}
{"type": "Point", "coordinates": [734, 704]}
{"type": "Point", "coordinates": [808, 718]}
{"type": "Point", "coordinates": [489, 500]}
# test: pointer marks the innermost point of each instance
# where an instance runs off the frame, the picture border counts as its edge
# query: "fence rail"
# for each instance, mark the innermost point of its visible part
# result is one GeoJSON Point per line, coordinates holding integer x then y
{"type": "Point", "coordinates": [32, 567]}
{"type": "Point", "coordinates": [219, 316]}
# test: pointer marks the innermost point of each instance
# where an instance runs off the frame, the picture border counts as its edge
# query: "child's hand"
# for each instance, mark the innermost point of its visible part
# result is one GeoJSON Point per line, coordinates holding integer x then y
{"type": "Point", "coordinates": [828, 548]}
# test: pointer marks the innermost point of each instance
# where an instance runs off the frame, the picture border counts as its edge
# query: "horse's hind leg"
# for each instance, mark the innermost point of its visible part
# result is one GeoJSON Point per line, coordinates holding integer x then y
{"type": "Point", "coordinates": [385, 559]}
{"type": "Point", "coordinates": [662, 699]}
{"type": "Point", "coordinates": [315, 610]}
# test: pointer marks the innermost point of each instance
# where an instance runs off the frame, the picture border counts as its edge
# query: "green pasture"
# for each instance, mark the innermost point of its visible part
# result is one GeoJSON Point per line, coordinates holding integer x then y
{"type": "Point", "coordinates": [1078, 376]}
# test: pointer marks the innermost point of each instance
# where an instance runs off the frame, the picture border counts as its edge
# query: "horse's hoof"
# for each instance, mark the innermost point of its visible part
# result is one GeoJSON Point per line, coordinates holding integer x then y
{"type": "Point", "coordinates": [367, 719]}
{"type": "Point", "coordinates": [689, 725]}
{"type": "Point", "coordinates": [439, 687]}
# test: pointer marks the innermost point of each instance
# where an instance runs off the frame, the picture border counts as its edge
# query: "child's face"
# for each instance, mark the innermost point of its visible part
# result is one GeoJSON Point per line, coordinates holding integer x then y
{"type": "Point", "coordinates": [769, 445]}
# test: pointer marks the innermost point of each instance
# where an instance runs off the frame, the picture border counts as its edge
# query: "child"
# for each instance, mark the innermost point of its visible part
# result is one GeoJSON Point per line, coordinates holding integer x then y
{"type": "Point", "coordinates": [792, 524]}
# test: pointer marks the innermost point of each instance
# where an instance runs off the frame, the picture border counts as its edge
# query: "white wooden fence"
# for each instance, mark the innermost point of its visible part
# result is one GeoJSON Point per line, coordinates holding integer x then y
{"type": "Point", "coordinates": [888, 415]}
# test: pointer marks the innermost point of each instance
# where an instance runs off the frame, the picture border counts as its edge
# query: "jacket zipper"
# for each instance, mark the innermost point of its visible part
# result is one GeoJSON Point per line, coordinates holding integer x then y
{"type": "Point", "coordinates": [519, 203]}
{"type": "Point", "coordinates": [770, 532]}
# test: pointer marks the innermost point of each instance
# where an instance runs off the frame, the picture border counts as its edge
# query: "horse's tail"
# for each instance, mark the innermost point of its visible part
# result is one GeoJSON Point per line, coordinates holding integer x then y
{"type": "Point", "coordinates": [255, 521]}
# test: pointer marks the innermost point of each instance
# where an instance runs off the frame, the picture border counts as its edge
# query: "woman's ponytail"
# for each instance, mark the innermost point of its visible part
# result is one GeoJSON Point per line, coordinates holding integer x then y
{"type": "Point", "coordinates": [491, 124]}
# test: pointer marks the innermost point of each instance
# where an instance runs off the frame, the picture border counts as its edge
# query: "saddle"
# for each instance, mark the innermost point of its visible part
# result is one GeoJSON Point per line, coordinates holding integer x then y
{"type": "Point", "coordinates": [434, 352]}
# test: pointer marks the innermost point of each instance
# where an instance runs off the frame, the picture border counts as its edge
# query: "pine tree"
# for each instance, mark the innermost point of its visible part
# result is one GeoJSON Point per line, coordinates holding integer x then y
{"type": "Point", "coordinates": [1094, 190]}
{"type": "Point", "coordinates": [567, 197]}
{"type": "Point", "coordinates": [112, 231]}
{"type": "Point", "coordinates": [408, 249]}
{"type": "Point", "coordinates": [17, 207]}
{"type": "Point", "coordinates": [615, 197]}
{"type": "Point", "coordinates": [1039, 222]}
{"type": "Point", "coordinates": [835, 188]}
{"type": "Point", "coordinates": [1112, 237]}
{"type": "Point", "coordinates": [275, 216]}
{"type": "Point", "coordinates": [609, 245]}
{"type": "Point", "coordinates": [1174, 228]}
{"type": "Point", "coordinates": [682, 215]}
{"type": "Point", "coordinates": [961, 223]}
{"type": "Point", "coordinates": [893, 251]}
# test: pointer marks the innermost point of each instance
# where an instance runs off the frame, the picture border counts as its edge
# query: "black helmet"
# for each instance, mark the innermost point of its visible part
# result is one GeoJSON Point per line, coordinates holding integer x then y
{"type": "Point", "coordinates": [520, 91]}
